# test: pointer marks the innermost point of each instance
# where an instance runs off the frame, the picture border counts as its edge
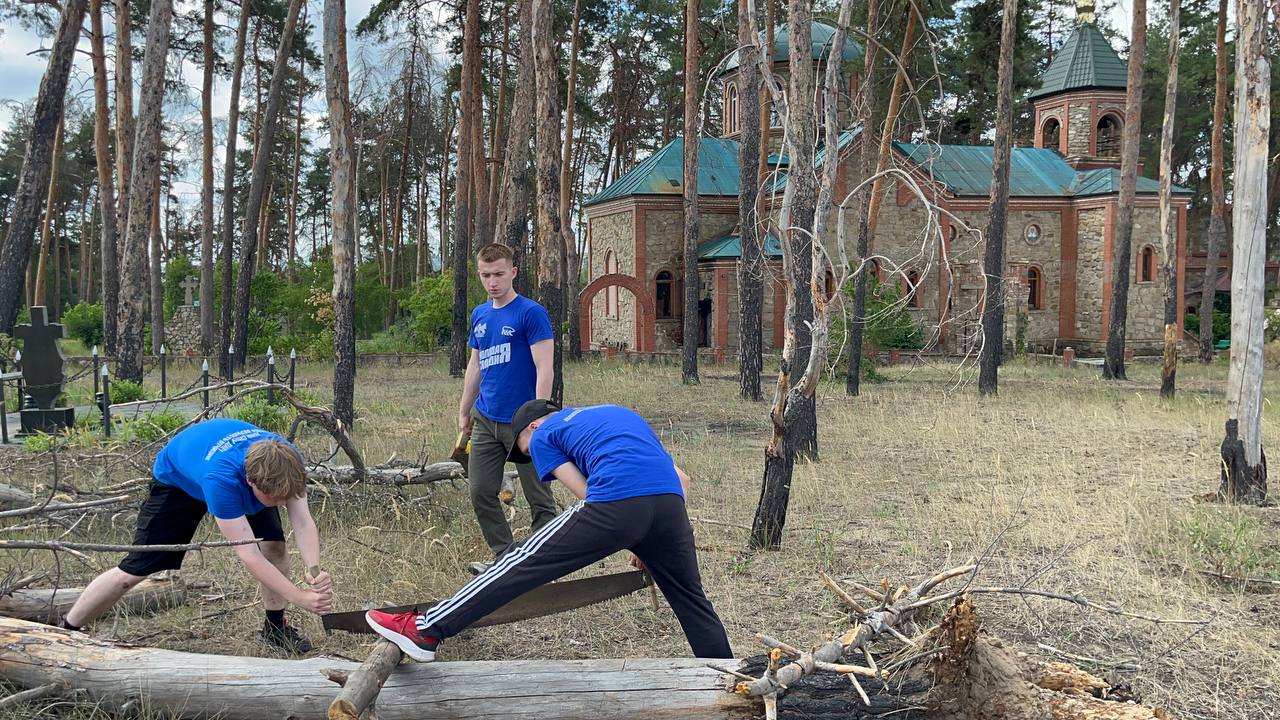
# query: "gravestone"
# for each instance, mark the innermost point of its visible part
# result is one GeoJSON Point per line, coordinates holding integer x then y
{"type": "Point", "coordinates": [42, 374]}
{"type": "Point", "coordinates": [189, 284]}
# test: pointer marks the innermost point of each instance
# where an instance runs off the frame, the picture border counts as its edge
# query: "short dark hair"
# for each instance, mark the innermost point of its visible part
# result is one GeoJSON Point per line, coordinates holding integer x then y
{"type": "Point", "coordinates": [493, 252]}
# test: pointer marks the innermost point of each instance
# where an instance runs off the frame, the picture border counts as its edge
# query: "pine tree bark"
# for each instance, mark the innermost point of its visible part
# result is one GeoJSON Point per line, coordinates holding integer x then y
{"type": "Point", "coordinates": [106, 184]}
{"type": "Point", "coordinates": [1244, 464]}
{"type": "Point", "coordinates": [156, 274]}
{"type": "Point", "coordinates": [229, 187]}
{"type": "Point", "coordinates": [258, 180]}
{"type": "Point", "coordinates": [33, 180]}
{"type": "Point", "coordinates": [1169, 215]}
{"type": "Point", "coordinates": [125, 132]}
{"type": "Point", "coordinates": [549, 238]}
{"type": "Point", "coordinates": [46, 223]}
{"type": "Point", "coordinates": [692, 134]}
{"type": "Point", "coordinates": [406, 154]}
{"type": "Point", "coordinates": [463, 186]}
{"type": "Point", "coordinates": [513, 197]}
{"type": "Point", "coordinates": [1217, 189]}
{"type": "Point", "coordinates": [573, 265]}
{"type": "Point", "coordinates": [207, 340]}
{"type": "Point", "coordinates": [751, 266]}
{"type": "Point", "coordinates": [865, 108]}
{"type": "Point", "coordinates": [993, 258]}
{"type": "Point", "coordinates": [145, 178]}
{"type": "Point", "coordinates": [1113, 363]}
{"type": "Point", "coordinates": [297, 164]}
{"type": "Point", "coordinates": [345, 241]}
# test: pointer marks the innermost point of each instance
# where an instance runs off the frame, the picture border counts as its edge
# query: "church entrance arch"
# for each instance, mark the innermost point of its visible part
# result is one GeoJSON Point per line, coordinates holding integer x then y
{"type": "Point", "coordinates": [644, 340]}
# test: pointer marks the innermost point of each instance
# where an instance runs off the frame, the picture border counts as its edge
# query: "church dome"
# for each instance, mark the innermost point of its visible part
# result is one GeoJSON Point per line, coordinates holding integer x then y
{"type": "Point", "coordinates": [821, 35]}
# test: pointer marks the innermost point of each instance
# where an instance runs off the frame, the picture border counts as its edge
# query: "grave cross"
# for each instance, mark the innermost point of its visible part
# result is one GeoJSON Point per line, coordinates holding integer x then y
{"type": "Point", "coordinates": [42, 357]}
{"type": "Point", "coordinates": [189, 284]}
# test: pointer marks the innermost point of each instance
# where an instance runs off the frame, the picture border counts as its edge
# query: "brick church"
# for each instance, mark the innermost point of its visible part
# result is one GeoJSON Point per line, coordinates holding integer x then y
{"type": "Point", "coordinates": [1064, 192]}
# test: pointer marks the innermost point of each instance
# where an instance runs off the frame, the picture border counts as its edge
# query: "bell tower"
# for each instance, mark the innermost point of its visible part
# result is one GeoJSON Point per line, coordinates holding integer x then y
{"type": "Point", "coordinates": [1079, 108]}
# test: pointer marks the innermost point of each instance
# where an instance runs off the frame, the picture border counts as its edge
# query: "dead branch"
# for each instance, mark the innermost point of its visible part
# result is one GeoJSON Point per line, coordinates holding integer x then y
{"type": "Point", "coordinates": [387, 475]}
{"type": "Point", "coordinates": [1239, 579]}
{"type": "Point", "coordinates": [1077, 598]}
{"type": "Point", "coordinates": [100, 547]}
{"type": "Point", "coordinates": [46, 508]}
{"type": "Point", "coordinates": [363, 684]}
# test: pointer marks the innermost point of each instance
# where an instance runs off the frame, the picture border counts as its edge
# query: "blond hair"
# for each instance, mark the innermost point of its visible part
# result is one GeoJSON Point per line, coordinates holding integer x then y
{"type": "Point", "coordinates": [275, 468]}
{"type": "Point", "coordinates": [493, 252]}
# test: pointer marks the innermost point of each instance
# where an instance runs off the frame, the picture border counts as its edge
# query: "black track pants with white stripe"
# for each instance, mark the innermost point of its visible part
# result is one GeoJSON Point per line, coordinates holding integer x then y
{"type": "Point", "coordinates": [654, 527]}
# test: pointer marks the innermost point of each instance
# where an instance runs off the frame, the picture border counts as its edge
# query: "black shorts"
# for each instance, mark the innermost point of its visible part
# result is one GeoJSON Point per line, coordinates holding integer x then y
{"type": "Point", "coordinates": [169, 516]}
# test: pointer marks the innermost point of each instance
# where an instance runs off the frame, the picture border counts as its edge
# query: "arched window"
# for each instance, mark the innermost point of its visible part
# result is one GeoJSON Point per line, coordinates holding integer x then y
{"type": "Point", "coordinates": [732, 123]}
{"type": "Point", "coordinates": [1051, 134]}
{"type": "Point", "coordinates": [611, 292]}
{"type": "Point", "coordinates": [912, 291]}
{"type": "Point", "coordinates": [1035, 289]}
{"type": "Point", "coordinates": [662, 284]}
{"type": "Point", "coordinates": [1147, 265]}
{"type": "Point", "coordinates": [1109, 136]}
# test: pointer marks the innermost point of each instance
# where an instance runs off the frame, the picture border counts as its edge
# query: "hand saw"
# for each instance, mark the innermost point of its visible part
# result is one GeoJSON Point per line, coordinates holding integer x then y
{"type": "Point", "coordinates": [548, 599]}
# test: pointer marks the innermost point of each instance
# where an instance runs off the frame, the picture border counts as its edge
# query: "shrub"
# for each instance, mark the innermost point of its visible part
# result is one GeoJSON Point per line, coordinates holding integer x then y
{"type": "Point", "coordinates": [256, 410]}
{"type": "Point", "coordinates": [126, 391]}
{"type": "Point", "coordinates": [84, 323]}
{"type": "Point", "coordinates": [429, 303]}
{"type": "Point", "coordinates": [151, 427]}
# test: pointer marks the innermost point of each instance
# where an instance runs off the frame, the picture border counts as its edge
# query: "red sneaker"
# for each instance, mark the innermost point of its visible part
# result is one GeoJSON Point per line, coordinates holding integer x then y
{"type": "Point", "coordinates": [402, 629]}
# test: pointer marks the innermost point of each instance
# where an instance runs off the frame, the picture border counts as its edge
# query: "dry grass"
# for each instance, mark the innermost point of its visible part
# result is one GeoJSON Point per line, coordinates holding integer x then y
{"type": "Point", "coordinates": [1090, 486]}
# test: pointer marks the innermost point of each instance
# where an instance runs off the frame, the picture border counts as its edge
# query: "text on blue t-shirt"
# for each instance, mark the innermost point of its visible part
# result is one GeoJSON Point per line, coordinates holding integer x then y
{"type": "Point", "coordinates": [501, 337]}
{"type": "Point", "coordinates": [617, 451]}
{"type": "Point", "coordinates": [206, 461]}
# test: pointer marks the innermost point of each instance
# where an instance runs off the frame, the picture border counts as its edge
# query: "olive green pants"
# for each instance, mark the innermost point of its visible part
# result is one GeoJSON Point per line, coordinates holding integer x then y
{"type": "Point", "coordinates": [490, 443]}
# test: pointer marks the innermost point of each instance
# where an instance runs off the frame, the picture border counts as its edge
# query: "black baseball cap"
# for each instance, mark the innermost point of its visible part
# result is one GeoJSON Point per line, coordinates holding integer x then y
{"type": "Point", "coordinates": [527, 413]}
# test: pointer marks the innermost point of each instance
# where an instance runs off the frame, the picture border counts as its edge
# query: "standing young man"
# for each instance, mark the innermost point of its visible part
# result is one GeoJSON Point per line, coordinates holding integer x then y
{"type": "Point", "coordinates": [511, 362]}
{"type": "Point", "coordinates": [633, 498]}
{"type": "Point", "coordinates": [241, 474]}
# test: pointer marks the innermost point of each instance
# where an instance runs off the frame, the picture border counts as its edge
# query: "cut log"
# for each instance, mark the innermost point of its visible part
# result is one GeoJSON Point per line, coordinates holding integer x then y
{"type": "Point", "coordinates": [12, 497]}
{"type": "Point", "coordinates": [361, 687]}
{"type": "Point", "coordinates": [244, 688]}
{"type": "Point", "coordinates": [384, 475]}
{"type": "Point", "coordinates": [48, 606]}
{"type": "Point", "coordinates": [507, 493]}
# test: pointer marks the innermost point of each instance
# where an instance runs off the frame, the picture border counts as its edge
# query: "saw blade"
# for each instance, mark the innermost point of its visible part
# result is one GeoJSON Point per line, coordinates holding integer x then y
{"type": "Point", "coordinates": [547, 599]}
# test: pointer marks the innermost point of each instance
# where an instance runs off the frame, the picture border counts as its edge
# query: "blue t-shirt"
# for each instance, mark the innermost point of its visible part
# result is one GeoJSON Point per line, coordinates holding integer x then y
{"type": "Point", "coordinates": [501, 337]}
{"type": "Point", "coordinates": [206, 461]}
{"type": "Point", "coordinates": [617, 451]}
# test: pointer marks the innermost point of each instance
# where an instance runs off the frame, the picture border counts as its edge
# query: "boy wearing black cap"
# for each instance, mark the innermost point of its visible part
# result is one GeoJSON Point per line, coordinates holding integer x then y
{"type": "Point", "coordinates": [632, 499]}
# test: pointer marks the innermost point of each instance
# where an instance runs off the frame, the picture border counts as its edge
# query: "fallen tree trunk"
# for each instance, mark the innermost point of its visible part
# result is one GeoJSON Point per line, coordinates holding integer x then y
{"type": "Point", "coordinates": [243, 688]}
{"type": "Point", "coordinates": [48, 606]}
{"type": "Point", "coordinates": [398, 475]}
{"type": "Point", "coordinates": [12, 497]}
{"type": "Point", "coordinates": [361, 687]}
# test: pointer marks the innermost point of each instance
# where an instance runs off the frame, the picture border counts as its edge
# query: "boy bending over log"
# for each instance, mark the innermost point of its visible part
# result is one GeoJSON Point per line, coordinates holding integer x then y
{"type": "Point", "coordinates": [241, 474]}
{"type": "Point", "coordinates": [632, 497]}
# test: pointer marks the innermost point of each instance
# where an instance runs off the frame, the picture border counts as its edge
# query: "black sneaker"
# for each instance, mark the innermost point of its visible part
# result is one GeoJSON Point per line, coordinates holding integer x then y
{"type": "Point", "coordinates": [285, 638]}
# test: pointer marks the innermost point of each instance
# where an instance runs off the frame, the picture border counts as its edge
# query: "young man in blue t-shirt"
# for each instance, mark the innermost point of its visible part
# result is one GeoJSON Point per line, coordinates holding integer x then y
{"type": "Point", "coordinates": [240, 474]}
{"type": "Point", "coordinates": [632, 499]}
{"type": "Point", "coordinates": [511, 342]}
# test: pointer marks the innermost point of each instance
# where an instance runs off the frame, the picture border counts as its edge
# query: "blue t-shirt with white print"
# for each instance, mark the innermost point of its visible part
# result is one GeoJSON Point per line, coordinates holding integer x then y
{"type": "Point", "coordinates": [206, 461]}
{"type": "Point", "coordinates": [617, 451]}
{"type": "Point", "coordinates": [501, 337]}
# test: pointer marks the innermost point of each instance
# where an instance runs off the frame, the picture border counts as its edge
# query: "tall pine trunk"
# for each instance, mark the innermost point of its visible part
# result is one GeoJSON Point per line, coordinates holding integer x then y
{"type": "Point", "coordinates": [993, 258]}
{"type": "Point", "coordinates": [145, 177]}
{"type": "Point", "coordinates": [573, 265]}
{"type": "Point", "coordinates": [254, 205]}
{"type": "Point", "coordinates": [463, 181]}
{"type": "Point", "coordinates": [513, 196]}
{"type": "Point", "coordinates": [207, 341]}
{"type": "Point", "coordinates": [297, 164]}
{"type": "Point", "coordinates": [345, 242]}
{"type": "Point", "coordinates": [751, 267]}
{"type": "Point", "coordinates": [865, 108]}
{"type": "Point", "coordinates": [1244, 464]}
{"type": "Point", "coordinates": [550, 240]}
{"type": "Point", "coordinates": [406, 153]}
{"type": "Point", "coordinates": [229, 187]}
{"type": "Point", "coordinates": [156, 274]}
{"type": "Point", "coordinates": [1168, 215]}
{"type": "Point", "coordinates": [125, 131]}
{"type": "Point", "coordinates": [692, 323]}
{"type": "Point", "coordinates": [1217, 189]}
{"type": "Point", "coordinates": [46, 224]}
{"type": "Point", "coordinates": [33, 179]}
{"type": "Point", "coordinates": [106, 184]}
{"type": "Point", "coordinates": [1113, 363]}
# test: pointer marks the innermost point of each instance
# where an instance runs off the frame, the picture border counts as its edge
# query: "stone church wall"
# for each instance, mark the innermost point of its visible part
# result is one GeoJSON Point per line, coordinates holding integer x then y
{"type": "Point", "coordinates": [614, 232]}
{"type": "Point", "coordinates": [1090, 270]}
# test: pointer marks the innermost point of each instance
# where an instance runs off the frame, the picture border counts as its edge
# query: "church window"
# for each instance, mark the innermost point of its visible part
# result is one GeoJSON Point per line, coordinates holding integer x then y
{"type": "Point", "coordinates": [1109, 136]}
{"type": "Point", "coordinates": [1035, 289]}
{"type": "Point", "coordinates": [731, 121]}
{"type": "Point", "coordinates": [1032, 233]}
{"type": "Point", "coordinates": [1147, 265]}
{"type": "Point", "coordinates": [1051, 134]}
{"type": "Point", "coordinates": [912, 291]}
{"type": "Point", "coordinates": [662, 293]}
{"type": "Point", "coordinates": [611, 292]}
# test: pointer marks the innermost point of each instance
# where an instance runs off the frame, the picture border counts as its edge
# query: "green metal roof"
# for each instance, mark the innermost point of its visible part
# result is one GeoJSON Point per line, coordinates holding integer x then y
{"type": "Point", "coordinates": [1033, 172]}
{"type": "Point", "coordinates": [1085, 60]}
{"type": "Point", "coordinates": [662, 173]}
{"type": "Point", "coordinates": [820, 38]}
{"type": "Point", "coordinates": [819, 157]}
{"type": "Point", "coordinates": [729, 247]}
